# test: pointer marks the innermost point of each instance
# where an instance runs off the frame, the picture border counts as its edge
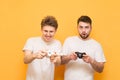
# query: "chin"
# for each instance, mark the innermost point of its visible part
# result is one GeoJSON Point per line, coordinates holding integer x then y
{"type": "Point", "coordinates": [84, 37]}
{"type": "Point", "coordinates": [49, 40]}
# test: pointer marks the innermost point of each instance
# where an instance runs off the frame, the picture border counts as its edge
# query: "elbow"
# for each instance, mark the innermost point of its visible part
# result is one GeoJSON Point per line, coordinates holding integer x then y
{"type": "Point", "coordinates": [100, 71]}
{"type": "Point", "coordinates": [25, 61]}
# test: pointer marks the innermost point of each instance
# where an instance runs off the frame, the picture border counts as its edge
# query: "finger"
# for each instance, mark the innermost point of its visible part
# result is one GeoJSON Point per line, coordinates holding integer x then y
{"type": "Point", "coordinates": [75, 54]}
{"type": "Point", "coordinates": [84, 55]}
{"type": "Point", "coordinates": [40, 56]}
{"type": "Point", "coordinates": [52, 57]}
{"type": "Point", "coordinates": [55, 55]}
{"type": "Point", "coordinates": [43, 52]}
{"type": "Point", "coordinates": [51, 60]}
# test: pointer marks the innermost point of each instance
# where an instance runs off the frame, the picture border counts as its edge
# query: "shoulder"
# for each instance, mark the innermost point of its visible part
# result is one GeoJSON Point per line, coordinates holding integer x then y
{"type": "Point", "coordinates": [71, 38]}
{"type": "Point", "coordinates": [95, 42]}
{"type": "Point", "coordinates": [33, 39]}
{"type": "Point", "coordinates": [57, 41]}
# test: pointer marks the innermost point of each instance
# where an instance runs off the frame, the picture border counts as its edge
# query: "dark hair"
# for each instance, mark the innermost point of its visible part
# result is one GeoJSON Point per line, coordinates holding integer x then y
{"type": "Point", "coordinates": [84, 19]}
{"type": "Point", "coordinates": [50, 21]}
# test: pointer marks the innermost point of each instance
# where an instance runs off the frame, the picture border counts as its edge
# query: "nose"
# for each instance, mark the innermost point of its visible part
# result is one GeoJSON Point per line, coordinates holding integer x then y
{"type": "Point", "coordinates": [83, 29]}
{"type": "Point", "coordinates": [48, 33]}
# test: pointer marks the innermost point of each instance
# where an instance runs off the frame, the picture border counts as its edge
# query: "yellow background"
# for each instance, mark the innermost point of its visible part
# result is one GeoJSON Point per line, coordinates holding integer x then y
{"type": "Point", "coordinates": [20, 19]}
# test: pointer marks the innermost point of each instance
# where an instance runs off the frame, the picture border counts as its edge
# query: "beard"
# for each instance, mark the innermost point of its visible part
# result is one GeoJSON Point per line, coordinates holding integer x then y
{"type": "Point", "coordinates": [84, 36]}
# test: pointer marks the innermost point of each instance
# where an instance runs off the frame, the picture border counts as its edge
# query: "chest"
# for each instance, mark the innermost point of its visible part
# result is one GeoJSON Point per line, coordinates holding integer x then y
{"type": "Point", "coordinates": [88, 48]}
{"type": "Point", "coordinates": [42, 46]}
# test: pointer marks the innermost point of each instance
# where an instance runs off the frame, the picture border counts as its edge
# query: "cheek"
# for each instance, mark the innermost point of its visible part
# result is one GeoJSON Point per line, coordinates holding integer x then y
{"type": "Point", "coordinates": [79, 30]}
{"type": "Point", "coordinates": [88, 31]}
{"type": "Point", "coordinates": [52, 34]}
{"type": "Point", "coordinates": [44, 33]}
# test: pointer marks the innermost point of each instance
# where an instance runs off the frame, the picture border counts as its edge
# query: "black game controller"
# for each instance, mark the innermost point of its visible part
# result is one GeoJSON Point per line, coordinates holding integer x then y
{"type": "Point", "coordinates": [80, 54]}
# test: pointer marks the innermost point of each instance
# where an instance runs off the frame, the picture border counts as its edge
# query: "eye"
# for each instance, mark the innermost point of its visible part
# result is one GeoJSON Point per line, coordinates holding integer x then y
{"type": "Point", "coordinates": [45, 31]}
{"type": "Point", "coordinates": [80, 26]}
{"type": "Point", "coordinates": [51, 31]}
{"type": "Point", "coordinates": [86, 27]}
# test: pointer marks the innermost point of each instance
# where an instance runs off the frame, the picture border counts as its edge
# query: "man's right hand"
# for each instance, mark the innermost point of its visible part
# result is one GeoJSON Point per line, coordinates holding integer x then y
{"type": "Point", "coordinates": [40, 54]}
{"type": "Point", "coordinates": [72, 56]}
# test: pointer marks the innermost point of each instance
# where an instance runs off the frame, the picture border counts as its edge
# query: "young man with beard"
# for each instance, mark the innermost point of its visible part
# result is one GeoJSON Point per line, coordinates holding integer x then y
{"type": "Point", "coordinates": [36, 51]}
{"type": "Point", "coordinates": [93, 59]}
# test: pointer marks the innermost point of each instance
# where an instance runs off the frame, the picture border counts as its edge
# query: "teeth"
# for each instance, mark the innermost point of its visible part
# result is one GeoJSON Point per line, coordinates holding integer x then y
{"type": "Point", "coordinates": [47, 37]}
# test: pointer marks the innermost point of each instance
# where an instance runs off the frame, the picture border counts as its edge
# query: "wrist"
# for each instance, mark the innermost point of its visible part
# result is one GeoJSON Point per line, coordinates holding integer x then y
{"type": "Point", "coordinates": [69, 57]}
{"type": "Point", "coordinates": [92, 61]}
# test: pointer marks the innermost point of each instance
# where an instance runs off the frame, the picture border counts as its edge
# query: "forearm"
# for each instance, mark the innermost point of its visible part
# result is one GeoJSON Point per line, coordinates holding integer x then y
{"type": "Point", "coordinates": [97, 66]}
{"type": "Point", "coordinates": [65, 59]}
{"type": "Point", "coordinates": [29, 58]}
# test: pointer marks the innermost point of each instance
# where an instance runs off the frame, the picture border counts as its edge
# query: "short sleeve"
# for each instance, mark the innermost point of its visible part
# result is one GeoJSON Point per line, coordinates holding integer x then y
{"type": "Point", "coordinates": [28, 45]}
{"type": "Point", "coordinates": [99, 54]}
{"type": "Point", "coordinates": [66, 48]}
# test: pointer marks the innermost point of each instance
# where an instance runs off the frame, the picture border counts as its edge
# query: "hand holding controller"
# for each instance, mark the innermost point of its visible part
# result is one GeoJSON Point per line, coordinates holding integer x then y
{"type": "Point", "coordinates": [80, 54]}
{"type": "Point", "coordinates": [50, 53]}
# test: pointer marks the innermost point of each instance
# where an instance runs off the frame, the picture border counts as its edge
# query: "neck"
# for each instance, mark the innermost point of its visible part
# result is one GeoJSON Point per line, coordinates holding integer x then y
{"type": "Point", "coordinates": [47, 42]}
{"type": "Point", "coordinates": [88, 38]}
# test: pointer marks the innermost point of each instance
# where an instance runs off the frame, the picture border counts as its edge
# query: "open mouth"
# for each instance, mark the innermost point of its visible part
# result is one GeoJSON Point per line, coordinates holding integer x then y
{"type": "Point", "coordinates": [83, 34]}
{"type": "Point", "coordinates": [48, 37]}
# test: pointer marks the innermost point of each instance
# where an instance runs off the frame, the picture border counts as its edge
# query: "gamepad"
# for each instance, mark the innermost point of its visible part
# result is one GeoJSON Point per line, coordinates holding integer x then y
{"type": "Point", "coordinates": [80, 54]}
{"type": "Point", "coordinates": [50, 53]}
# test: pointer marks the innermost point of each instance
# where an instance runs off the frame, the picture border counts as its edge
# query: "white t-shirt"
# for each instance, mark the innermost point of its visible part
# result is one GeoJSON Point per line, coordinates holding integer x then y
{"type": "Point", "coordinates": [78, 69]}
{"type": "Point", "coordinates": [41, 69]}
